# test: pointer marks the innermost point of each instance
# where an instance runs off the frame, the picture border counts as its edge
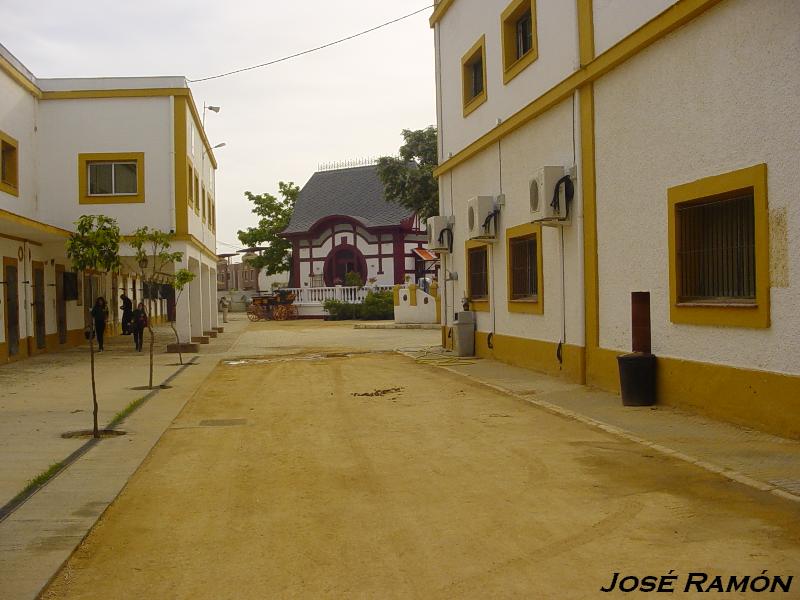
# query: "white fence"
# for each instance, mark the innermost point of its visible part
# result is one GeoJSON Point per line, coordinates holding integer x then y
{"type": "Point", "coordinates": [316, 296]}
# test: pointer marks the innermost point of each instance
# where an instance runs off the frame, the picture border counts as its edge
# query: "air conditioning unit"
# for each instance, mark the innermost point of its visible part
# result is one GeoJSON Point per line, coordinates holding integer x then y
{"type": "Point", "coordinates": [440, 233]}
{"type": "Point", "coordinates": [480, 222]}
{"type": "Point", "coordinates": [542, 192]}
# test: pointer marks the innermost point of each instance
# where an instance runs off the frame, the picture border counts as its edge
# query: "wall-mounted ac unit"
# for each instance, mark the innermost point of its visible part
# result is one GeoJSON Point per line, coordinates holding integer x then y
{"type": "Point", "coordinates": [440, 233]}
{"type": "Point", "coordinates": [482, 218]}
{"type": "Point", "coordinates": [542, 194]}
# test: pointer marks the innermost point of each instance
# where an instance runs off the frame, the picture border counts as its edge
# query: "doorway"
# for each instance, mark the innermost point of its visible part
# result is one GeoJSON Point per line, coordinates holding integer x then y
{"type": "Point", "coordinates": [39, 324]}
{"type": "Point", "coordinates": [344, 259]}
{"type": "Point", "coordinates": [11, 303]}
{"type": "Point", "coordinates": [61, 306]}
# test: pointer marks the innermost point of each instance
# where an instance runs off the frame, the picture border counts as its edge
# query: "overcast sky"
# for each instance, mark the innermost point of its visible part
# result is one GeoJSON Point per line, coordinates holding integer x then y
{"type": "Point", "coordinates": [345, 102]}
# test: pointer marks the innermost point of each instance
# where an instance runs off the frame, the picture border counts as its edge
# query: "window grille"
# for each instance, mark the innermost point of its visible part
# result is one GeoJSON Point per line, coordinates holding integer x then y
{"type": "Point", "coordinates": [478, 273]}
{"type": "Point", "coordinates": [524, 280]}
{"type": "Point", "coordinates": [716, 250]}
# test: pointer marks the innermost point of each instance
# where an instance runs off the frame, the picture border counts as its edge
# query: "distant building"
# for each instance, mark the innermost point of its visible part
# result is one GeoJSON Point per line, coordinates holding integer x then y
{"type": "Point", "coordinates": [341, 223]}
{"type": "Point", "coordinates": [236, 276]}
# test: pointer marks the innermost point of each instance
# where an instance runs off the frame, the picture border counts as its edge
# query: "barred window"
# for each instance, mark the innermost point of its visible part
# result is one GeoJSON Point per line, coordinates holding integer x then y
{"type": "Point", "coordinates": [524, 278]}
{"type": "Point", "coordinates": [716, 256]}
{"type": "Point", "coordinates": [478, 273]}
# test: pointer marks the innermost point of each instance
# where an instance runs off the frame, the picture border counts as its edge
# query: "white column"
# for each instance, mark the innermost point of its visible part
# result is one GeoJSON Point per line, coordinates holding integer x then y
{"type": "Point", "coordinates": [206, 291]}
{"type": "Point", "coordinates": [183, 316]}
{"type": "Point", "coordinates": [213, 298]}
{"type": "Point", "coordinates": [195, 300]}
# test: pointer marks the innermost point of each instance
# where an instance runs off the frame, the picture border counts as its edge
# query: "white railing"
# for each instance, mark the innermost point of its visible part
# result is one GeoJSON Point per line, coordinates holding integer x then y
{"type": "Point", "coordinates": [309, 296]}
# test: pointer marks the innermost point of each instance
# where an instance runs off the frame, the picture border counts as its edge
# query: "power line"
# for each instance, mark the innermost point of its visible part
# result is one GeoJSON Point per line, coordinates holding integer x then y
{"type": "Point", "coordinates": [309, 51]}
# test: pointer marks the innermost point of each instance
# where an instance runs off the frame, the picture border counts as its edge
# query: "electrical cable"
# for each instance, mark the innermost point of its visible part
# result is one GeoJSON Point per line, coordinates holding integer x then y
{"type": "Point", "coordinates": [310, 50]}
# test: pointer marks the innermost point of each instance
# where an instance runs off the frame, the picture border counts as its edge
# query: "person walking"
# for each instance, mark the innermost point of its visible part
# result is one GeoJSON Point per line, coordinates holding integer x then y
{"type": "Point", "coordinates": [224, 307]}
{"type": "Point", "coordinates": [127, 312]}
{"type": "Point", "coordinates": [99, 313]}
{"type": "Point", "coordinates": [138, 323]}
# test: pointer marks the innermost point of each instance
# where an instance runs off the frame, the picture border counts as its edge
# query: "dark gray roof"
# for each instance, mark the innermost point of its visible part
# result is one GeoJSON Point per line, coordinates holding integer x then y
{"type": "Point", "coordinates": [356, 192]}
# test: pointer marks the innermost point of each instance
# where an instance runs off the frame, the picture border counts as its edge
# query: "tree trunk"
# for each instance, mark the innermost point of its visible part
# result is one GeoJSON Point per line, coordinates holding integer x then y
{"type": "Point", "coordinates": [152, 342]}
{"type": "Point", "coordinates": [95, 431]}
{"type": "Point", "coordinates": [177, 340]}
{"type": "Point", "coordinates": [150, 330]}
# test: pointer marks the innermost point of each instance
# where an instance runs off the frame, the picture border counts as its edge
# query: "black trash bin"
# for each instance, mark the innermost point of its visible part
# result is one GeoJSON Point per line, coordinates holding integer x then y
{"type": "Point", "coordinates": [637, 378]}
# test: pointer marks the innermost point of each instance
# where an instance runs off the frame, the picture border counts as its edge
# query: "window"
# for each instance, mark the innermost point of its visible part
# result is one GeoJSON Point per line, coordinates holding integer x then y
{"type": "Point", "coordinates": [478, 276]}
{"type": "Point", "coordinates": [111, 178]}
{"type": "Point", "coordinates": [189, 185]}
{"type": "Point", "coordinates": [525, 280]}
{"type": "Point", "coordinates": [205, 200]}
{"type": "Point", "coordinates": [716, 250]}
{"type": "Point", "coordinates": [518, 32]}
{"type": "Point", "coordinates": [196, 195]}
{"type": "Point", "coordinates": [718, 239]}
{"type": "Point", "coordinates": [474, 76]}
{"type": "Point", "coordinates": [9, 165]}
{"type": "Point", "coordinates": [523, 268]}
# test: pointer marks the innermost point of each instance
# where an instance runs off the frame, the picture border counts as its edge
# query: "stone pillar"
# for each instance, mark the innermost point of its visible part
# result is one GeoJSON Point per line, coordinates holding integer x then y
{"type": "Point", "coordinates": [213, 299]}
{"type": "Point", "coordinates": [183, 316]}
{"type": "Point", "coordinates": [195, 300]}
{"type": "Point", "coordinates": [205, 287]}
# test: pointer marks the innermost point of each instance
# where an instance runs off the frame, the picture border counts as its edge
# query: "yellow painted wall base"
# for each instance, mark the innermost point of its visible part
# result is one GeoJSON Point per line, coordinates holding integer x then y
{"type": "Point", "coordinates": [759, 399]}
{"type": "Point", "coordinates": [537, 355]}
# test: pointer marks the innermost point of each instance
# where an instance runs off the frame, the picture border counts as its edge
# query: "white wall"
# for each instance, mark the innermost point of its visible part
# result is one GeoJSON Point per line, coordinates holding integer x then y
{"type": "Point", "coordinates": [70, 127]}
{"type": "Point", "coordinates": [523, 152]}
{"type": "Point", "coordinates": [18, 119]}
{"type": "Point", "coordinates": [694, 105]}
{"type": "Point", "coordinates": [461, 27]}
{"type": "Point", "coordinates": [198, 156]}
{"type": "Point", "coordinates": [616, 19]}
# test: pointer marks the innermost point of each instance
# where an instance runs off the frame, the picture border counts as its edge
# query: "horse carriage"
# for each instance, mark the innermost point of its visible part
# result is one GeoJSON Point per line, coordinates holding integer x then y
{"type": "Point", "coordinates": [278, 306]}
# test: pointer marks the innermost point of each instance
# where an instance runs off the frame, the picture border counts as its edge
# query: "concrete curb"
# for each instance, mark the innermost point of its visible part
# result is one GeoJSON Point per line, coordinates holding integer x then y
{"type": "Point", "coordinates": [731, 474]}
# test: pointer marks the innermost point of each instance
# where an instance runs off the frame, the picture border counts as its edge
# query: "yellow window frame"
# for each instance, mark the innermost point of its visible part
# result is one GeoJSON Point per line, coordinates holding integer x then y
{"type": "Point", "coordinates": [481, 305]}
{"type": "Point", "coordinates": [735, 314]}
{"type": "Point", "coordinates": [85, 159]}
{"type": "Point", "coordinates": [472, 102]}
{"type": "Point", "coordinates": [9, 147]}
{"type": "Point", "coordinates": [526, 306]}
{"type": "Point", "coordinates": [513, 66]}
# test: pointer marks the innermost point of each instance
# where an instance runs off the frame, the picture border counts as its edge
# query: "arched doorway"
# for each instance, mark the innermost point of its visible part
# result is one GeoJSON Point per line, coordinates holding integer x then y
{"type": "Point", "coordinates": [343, 259]}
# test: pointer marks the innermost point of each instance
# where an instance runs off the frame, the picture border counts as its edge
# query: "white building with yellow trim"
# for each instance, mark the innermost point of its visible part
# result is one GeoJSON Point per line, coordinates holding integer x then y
{"type": "Point", "coordinates": [130, 148]}
{"type": "Point", "coordinates": [678, 123]}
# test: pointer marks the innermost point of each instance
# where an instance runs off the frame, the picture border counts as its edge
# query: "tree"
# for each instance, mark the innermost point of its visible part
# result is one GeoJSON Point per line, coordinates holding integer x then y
{"type": "Point", "coordinates": [408, 179]}
{"type": "Point", "coordinates": [180, 280]}
{"type": "Point", "coordinates": [274, 215]}
{"type": "Point", "coordinates": [153, 260]}
{"type": "Point", "coordinates": [94, 247]}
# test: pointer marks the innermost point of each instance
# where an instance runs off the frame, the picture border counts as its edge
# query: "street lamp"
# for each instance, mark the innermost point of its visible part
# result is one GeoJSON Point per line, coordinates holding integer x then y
{"type": "Point", "coordinates": [214, 109]}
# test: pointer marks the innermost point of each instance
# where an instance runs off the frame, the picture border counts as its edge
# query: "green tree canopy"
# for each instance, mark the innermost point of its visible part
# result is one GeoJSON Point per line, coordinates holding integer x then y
{"type": "Point", "coordinates": [274, 215]}
{"type": "Point", "coordinates": [95, 244]}
{"type": "Point", "coordinates": [408, 180]}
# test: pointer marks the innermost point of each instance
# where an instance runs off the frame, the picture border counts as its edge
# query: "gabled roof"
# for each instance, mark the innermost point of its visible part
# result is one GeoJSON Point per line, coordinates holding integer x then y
{"type": "Point", "coordinates": [355, 192]}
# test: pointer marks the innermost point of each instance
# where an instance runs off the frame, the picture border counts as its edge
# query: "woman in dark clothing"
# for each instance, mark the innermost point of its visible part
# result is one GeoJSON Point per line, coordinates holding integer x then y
{"type": "Point", "coordinates": [138, 323]}
{"type": "Point", "coordinates": [99, 313]}
{"type": "Point", "coordinates": [127, 312]}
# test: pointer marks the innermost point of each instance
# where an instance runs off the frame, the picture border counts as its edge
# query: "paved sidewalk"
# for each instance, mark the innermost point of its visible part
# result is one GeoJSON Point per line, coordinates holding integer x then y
{"type": "Point", "coordinates": [38, 403]}
{"type": "Point", "coordinates": [760, 460]}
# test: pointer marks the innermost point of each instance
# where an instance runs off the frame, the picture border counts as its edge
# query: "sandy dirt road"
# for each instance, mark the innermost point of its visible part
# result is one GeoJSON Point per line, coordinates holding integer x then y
{"type": "Point", "coordinates": [369, 476]}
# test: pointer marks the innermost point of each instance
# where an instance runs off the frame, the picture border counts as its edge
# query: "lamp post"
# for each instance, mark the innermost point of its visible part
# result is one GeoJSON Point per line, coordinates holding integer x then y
{"type": "Point", "coordinates": [214, 109]}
